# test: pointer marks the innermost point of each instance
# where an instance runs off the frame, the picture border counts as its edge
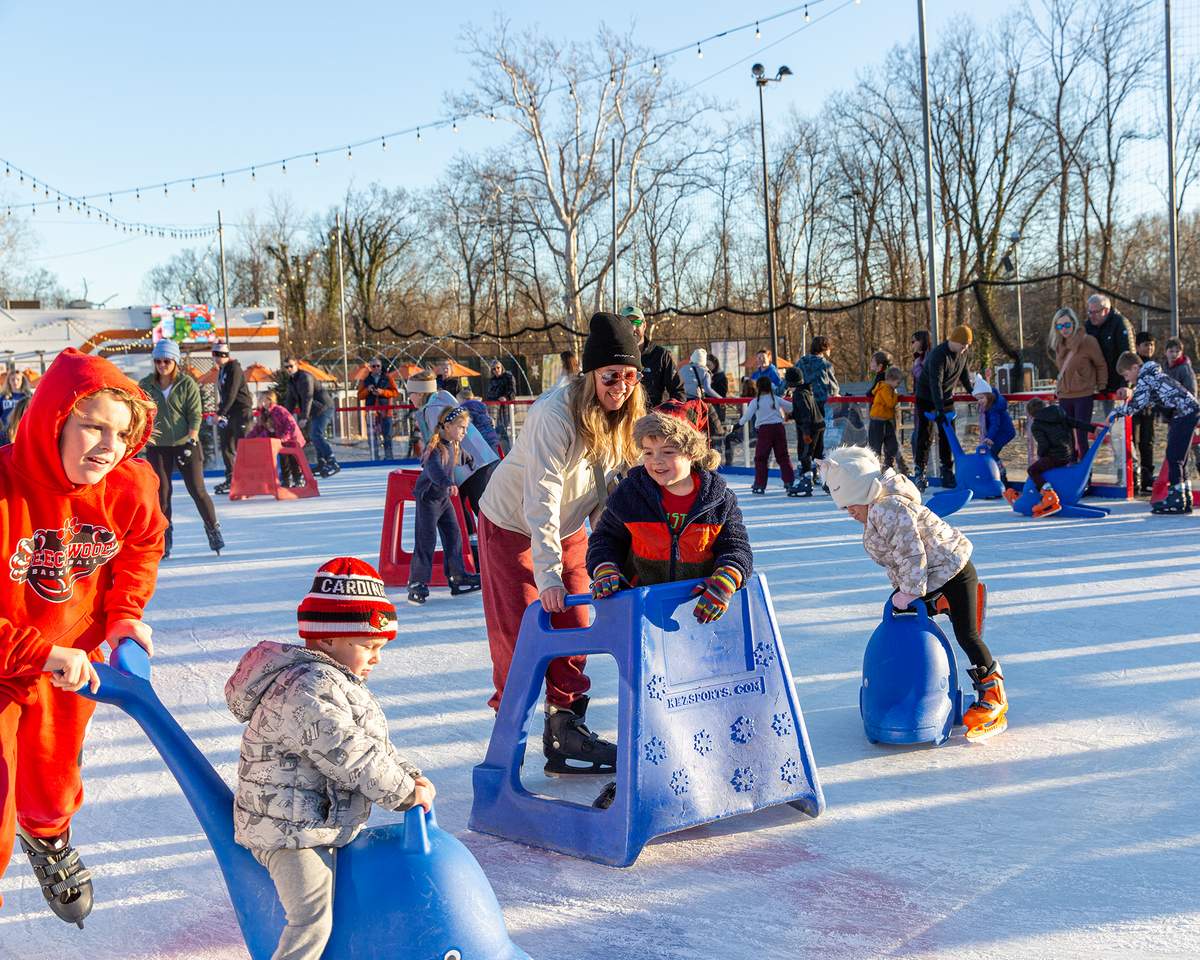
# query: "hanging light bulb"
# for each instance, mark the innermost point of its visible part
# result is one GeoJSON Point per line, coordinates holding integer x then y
{"type": "Point", "coordinates": [222, 179]}
{"type": "Point", "coordinates": [316, 160]}
{"type": "Point", "coordinates": [193, 186]}
{"type": "Point", "coordinates": [492, 117]}
{"type": "Point", "coordinates": [418, 134]}
{"type": "Point", "coordinates": [253, 175]}
{"type": "Point", "coordinates": [284, 166]}
{"type": "Point", "coordinates": [654, 69]}
{"type": "Point", "coordinates": [699, 52]}
{"type": "Point", "coordinates": [383, 143]}
{"type": "Point", "coordinates": [454, 125]}
{"type": "Point", "coordinates": [757, 32]}
{"type": "Point", "coordinates": [110, 199]}
{"type": "Point", "coordinates": [7, 172]}
{"type": "Point", "coordinates": [164, 189]}
{"type": "Point", "coordinates": [349, 154]}
{"type": "Point", "coordinates": [807, 18]}
{"type": "Point", "coordinates": [137, 194]}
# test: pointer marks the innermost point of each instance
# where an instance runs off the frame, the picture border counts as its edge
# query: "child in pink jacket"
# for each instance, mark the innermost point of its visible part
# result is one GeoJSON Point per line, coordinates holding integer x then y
{"type": "Point", "coordinates": [272, 419]}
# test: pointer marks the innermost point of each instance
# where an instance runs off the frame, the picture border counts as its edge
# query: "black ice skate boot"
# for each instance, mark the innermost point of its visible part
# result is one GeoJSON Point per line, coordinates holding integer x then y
{"type": "Point", "coordinates": [418, 593]}
{"type": "Point", "coordinates": [802, 487]}
{"type": "Point", "coordinates": [216, 542]}
{"type": "Point", "coordinates": [1174, 502]}
{"type": "Point", "coordinates": [464, 584]}
{"type": "Point", "coordinates": [168, 540]}
{"type": "Point", "coordinates": [66, 883]}
{"type": "Point", "coordinates": [330, 466]}
{"type": "Point", "coordinates": [223, 486]}
{"type": "Point", "coordinates": [920, 481]}
{"type": "Point", "coordinates": [567, 737]}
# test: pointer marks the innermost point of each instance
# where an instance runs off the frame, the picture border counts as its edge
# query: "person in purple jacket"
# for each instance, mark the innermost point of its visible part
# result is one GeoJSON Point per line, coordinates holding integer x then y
{"type": "Point", "coordinates": [479, 417]}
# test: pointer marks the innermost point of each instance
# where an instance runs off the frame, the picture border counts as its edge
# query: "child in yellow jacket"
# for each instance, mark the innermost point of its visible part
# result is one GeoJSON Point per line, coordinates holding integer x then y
{"type": "Point", "coordinates": [881, 431]}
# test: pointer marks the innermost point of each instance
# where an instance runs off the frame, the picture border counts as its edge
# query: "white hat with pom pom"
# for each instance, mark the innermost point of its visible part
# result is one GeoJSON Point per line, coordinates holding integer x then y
{"type": "Point", "coordinates": [853, 475]}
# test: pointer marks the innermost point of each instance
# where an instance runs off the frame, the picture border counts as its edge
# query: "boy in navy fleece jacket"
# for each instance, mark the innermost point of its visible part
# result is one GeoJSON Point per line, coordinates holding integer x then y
{"type": "Point", "coordinates": [672, 518]}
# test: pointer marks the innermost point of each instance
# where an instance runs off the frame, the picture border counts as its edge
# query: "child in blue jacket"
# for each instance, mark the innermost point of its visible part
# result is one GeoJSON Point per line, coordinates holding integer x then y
{"type": "Point", "coordinates": [435, 509]}
{"type": "Point", "coordinates": [995, 425]}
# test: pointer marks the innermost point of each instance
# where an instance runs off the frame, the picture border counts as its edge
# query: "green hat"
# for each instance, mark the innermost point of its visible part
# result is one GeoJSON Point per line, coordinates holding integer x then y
{"type": "Point", "coordinates": [633, 315]}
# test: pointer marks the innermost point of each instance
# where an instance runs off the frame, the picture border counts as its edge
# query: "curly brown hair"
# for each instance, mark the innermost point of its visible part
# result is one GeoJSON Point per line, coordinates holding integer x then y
{"type": "Point", "coordinates": [691, 442]}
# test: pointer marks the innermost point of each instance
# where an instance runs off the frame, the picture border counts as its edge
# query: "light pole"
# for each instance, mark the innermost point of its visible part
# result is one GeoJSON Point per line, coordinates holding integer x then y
{"type": "Point", "coordinates": [858, 283]}
{"type": "Point", "coordinates": [761, 80]}
{"type": "Point", "coordinates": [1015, 237]}
{"type": "Point", "coordinates": [497, 191]}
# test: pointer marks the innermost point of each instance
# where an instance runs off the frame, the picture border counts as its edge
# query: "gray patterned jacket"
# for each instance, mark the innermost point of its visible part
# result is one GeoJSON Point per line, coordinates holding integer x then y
{"type": "Point", "coordinates": [919, 550]}
{"type": "Point", "coordinates": [315, 755]}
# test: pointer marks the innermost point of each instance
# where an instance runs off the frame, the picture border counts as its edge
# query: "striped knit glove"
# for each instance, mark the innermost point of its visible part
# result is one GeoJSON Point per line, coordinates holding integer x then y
{"type": "Point", "coordinates": [716, 592]}
{"type": "Point", "coordinates": [606, 580]}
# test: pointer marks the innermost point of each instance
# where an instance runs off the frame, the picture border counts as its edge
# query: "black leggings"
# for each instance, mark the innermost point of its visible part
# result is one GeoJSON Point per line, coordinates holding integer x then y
{"type": "Point", "coordinates": [165, 461]}
{"type": "Point", "coordinates": [962, 594]}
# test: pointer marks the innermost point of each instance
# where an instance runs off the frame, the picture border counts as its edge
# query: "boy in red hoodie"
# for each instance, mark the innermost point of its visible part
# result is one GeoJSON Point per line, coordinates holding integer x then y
{"type": "Point", "coordinates": [82, 536]}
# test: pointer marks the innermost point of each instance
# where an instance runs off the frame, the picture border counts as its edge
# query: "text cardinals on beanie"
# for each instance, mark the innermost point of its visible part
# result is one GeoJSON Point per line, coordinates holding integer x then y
{"type": "Point", "coordinates": [347, 599]}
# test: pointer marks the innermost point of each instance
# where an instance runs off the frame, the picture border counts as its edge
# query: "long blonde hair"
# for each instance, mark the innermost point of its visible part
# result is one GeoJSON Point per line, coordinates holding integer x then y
{"type": "Point", "coordinates": [607, 437]}
{"type": "Point", "coordinates": [1055, 338]}
{"type": "Point", "coordinates": [437, 442]}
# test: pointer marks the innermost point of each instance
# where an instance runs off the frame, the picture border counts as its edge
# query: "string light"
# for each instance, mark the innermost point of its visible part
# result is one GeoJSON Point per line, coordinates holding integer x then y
{"type": "Point", "coordinates": [284, 166]}
{"type": "Point", "coordinates": [137, 194]}
{"type": "Point", "coordinates": [253, 176]}
{"type": "Point", "coordinates": [383, 143]}
{"type": "Point", "coordinates": [349, 154]}
{"type": "Point", "coordinates": [193, 186]}
{"type": "Point", "coordinates": [757, 32]}
{"type": "Point", "coordinates": [807, 18]}
{"type": "Point", "coordinates": [454, 126]}
{"type": "Point", "coordinates": [222, 179]}
{"type": "Point", "coordinates": [493, 116]}
{"type": "Point", "coordinates": [699, 52]}
{"type": "Point", "coordinates": [654, 69]}
{"type": "Point", "coordinates": [418, 134]}
{"type": "Point", "coordinates": [316, 160]}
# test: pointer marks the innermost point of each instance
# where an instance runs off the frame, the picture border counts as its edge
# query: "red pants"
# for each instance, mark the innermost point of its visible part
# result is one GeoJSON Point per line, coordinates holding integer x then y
{"type": "Point", "coordinates": [508, 588]}
{"type": "Point", "coordinates": [772, 436]}
{"type": "Point", "coordinates": [40, 745]}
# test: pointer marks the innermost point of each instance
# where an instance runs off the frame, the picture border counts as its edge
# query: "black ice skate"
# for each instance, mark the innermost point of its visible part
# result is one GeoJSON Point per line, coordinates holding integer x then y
{"type": "Point", "coordinates": [758, 489]}
{"type": "Point", "coordinates": [1177, 500]}
{"type": "Point", "coordinates": [464, 584]}
{"type": "Point", "coordinates": [66, 883]}
{"type": "Point", "coordinates": [418, 593]}
{"type": "Point", "coordinates": [920, 481]}
{"type": "Point", "coordinates": [216, 542]}
{"type": "Point", "coordinates": [567, 738]}
{"type": "Point", "coordinates": [802, 487]}
{"type": "Point", "coordinates": [223, 486]}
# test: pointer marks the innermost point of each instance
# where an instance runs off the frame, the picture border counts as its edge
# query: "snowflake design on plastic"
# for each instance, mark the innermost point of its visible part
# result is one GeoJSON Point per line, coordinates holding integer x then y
{"type": "Point", "coordinates": [741, 730]}
{"type": "Point", "coordinates": [789, 773]}
{"type": "Point", "coordinates": [656, 687]}
{"type": "Point", "coordinates": [781, 723]}
{"type": "Point", "coordinates": [680, 782]}
{"type": "Point", "coordinates": [656, 751]}
{"type": "Point", "coordinates": [742, 779]}
{"type": "Point", "coordinates": [764, 653]}
{"type": "Point", "coordinates": [703, 743]}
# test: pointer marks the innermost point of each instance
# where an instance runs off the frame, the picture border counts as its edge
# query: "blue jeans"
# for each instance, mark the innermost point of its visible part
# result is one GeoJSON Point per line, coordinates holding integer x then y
{"type": "Point", "coordinates": [316, 434]}
{"type": "Point", "coordinates": [435, 518]}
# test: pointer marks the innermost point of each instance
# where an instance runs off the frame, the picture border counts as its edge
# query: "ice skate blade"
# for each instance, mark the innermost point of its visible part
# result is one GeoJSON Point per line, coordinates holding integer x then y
{"type": "Point", "coordinates": [561, 768]}
{"type": "Point", "coordinates": [985, 731]}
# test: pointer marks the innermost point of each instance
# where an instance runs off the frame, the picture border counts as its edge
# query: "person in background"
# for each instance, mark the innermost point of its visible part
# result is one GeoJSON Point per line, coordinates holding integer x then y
{"type": "Point", "coordinates": [1112, 333]}
{"type": "Point", "coordinates": [1081, 371]}
{"type": "Point", "coordinates": [660, 379]}
{"type": "Point", "coordinates": [881, 431]}
{"type": "Point", "coordinates": [881, 361]}
{"type": "Point", "coordinates": [1178, 367]}
{"type": "Point", "coordinates": [235, 407]}
{"type": "Point", "coordinates": [996, 428]}
{"type": "Point", "coordinates": [764, 366]}
{"type": "Point", "coordinates": [697, 381]}
{"type": "Point", "coordinates": [480, 418]}
{"type": "Point", "coordinates": [14, 392]}
{"type": "Point", "coordinates": [720, 384]}
{"type": "Point", "coordinates": [502, 386]}
{"type": "Point", "coordinates": [768, 412]}
{"type": "Point", "coordinates": [920, 345]}
{"type": "Point", "coordinates": [175, 442]}
{"type": "Point", "coordinates": [310, 404]}
{"type": "Point", "coordinates": [1143, 422]}
{"type": "Point", "coordinates": [273, 420]}
{"type": "Point", "coordinates": [818, 372]}
{"type": "Point", "coordinates": [810, 431]}
{"type": "Point", "coordinates": [1051, 429]}
{"type": "Point", "coordinates": [945, 368]}
{"type": "Point", "coordinates": [378, 390]}
{"type": "Point", "coordinates": [570, 368]}
{"type": "Point", "coordinates": [443, 370]}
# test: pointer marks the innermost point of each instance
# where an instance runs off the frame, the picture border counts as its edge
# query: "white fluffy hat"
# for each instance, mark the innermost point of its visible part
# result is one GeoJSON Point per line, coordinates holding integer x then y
{"type": "Point", "coordinates": [700, 356]}
{"type": "Point", "coordinates": [853, 476]}
{"type": "Point", "coordinates": [981, 388]}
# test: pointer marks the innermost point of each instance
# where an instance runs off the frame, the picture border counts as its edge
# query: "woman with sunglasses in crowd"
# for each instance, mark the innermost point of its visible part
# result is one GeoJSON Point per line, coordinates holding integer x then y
{"type": "Point", "coordinates": [1082, 372]}
{"type": "Point", "coordinates": [174, 445]}
{"type": "Point", "coordinates": [532, 539]}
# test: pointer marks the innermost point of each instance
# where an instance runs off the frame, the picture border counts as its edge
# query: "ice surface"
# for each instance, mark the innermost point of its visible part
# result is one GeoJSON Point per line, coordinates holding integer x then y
{"type": "Point", "coordinates": [1074, 834]}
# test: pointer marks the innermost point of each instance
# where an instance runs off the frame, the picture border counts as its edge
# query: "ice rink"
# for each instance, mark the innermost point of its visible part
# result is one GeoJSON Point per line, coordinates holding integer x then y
{"type": "Point", "coordinates": [1076, 834]}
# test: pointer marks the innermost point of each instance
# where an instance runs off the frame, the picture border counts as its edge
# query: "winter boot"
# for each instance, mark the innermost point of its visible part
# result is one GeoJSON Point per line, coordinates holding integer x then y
{"type": "Point", "coordinates": [1175, 501]}
{"type": "Point", "coordinates": [222, 488]}
{"type": "Point", "coordinates": [567, 737]}
{"type": "Point", "coordinates": [331, 466]}
{"type": "Point", "coordinates": [464, 583]}
{"type": "Point", "coordinates": [1049, 505]}
{"type": "Point", "coordinates": [988, 716]}
{"type": "Point", "coordinates": [216, 542]}
{"type": "Point", "coordinates": [418, 593]}
{"type": "Point", "coordinates": [168, 540]}
{"type": "Point", "coordinates": [920, 481]}
{"type": "Point", "coordinates": [66, 882]}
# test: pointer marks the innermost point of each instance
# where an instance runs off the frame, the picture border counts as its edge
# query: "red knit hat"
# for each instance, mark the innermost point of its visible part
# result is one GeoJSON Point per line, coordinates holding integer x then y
{"type": "Point", "coordinates": [347, 599]}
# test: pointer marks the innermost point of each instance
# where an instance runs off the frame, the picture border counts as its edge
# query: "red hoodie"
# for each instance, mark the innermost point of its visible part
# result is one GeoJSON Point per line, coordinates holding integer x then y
{"type": "Point", "coordinates": [79, 556]}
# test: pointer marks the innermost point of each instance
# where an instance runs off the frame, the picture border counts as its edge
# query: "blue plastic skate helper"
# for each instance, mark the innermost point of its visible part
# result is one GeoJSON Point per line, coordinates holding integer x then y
{"type": "Point", "coordinates": [910, 692]}
{"type": "Point", "coordinates": [1069, 482]}
{"type": "Point", "coordinates": [708, 723]}
{"type": "Point", "coordinates": [977, 471]}
{"type": "Point", "coordinates": [402, 890]}
{"type": "Point", "coordinates": [945, 502]}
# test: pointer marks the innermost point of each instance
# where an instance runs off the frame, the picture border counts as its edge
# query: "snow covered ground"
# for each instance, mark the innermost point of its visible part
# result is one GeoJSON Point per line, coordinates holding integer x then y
{"type": "Point", "coordinates": [1075, 834]}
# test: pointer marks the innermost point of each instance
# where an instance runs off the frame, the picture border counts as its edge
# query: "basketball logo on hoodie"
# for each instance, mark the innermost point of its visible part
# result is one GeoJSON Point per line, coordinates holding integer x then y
{"type": "Point", "coordinates": [51, 561]}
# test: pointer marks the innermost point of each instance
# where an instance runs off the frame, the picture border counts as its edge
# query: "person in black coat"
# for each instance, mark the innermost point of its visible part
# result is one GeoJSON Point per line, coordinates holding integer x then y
{"type": "Point", "coordinates": [1111, 331]}
{"type": "Point", "coordinates": [945, 368]}
{"type": "Point", "coordinates": [234, 408]}
{"type": "Point", "coordinates": [660, 379]}
{"type": "Point", "coordinates": [502, 385]}
{"type": "Point", "coordinates": [307, 400]}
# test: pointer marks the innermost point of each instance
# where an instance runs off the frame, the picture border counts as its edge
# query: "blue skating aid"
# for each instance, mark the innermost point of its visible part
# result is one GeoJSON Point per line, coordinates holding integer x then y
{"type": "Point", "coordinates": [406, 889]}
{"type": "Point", "coordinates": [977, 471]}
{"type": "Point", "coordinates": [1070, 483]}
{"type": "Point", "coordinates": [708, 724]}
{"type": "Point", "coordinates": [946, 502]}
{"type": "Point", "coordinates": [910, 691]}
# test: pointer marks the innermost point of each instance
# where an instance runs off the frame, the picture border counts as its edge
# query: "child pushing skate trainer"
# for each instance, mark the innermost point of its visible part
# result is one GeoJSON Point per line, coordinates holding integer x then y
{"type": "Point", "coordinates": [316, 754]}
{"type": "Point", "coordinates": [928, 561]}
{"type": "Point", "coordinates": [82, 536]}
{"type": "Point", "coordinates": [1051, 429]}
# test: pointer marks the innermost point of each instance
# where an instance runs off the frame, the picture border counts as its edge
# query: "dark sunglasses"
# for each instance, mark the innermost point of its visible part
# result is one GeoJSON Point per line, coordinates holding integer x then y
{"type": "Point", "coordinates": [613, 377]}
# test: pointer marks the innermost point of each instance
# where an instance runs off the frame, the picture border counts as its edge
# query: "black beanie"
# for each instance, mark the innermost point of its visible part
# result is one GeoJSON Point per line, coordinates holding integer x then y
{"type": "Point", "coordinates": [612, 340]}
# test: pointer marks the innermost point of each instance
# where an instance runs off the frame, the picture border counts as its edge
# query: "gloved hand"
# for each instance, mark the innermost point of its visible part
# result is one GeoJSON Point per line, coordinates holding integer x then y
{"type": "Point", "coordinates": [716, 592]}
{"type": "Point", "coordinates": [902, 601]}
{"type": "Point", "coordinates": [606, 580]}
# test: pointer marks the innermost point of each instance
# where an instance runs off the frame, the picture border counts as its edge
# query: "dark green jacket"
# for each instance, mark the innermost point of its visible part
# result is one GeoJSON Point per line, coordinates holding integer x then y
{"type": "Point", "coordinates": [177, 414]}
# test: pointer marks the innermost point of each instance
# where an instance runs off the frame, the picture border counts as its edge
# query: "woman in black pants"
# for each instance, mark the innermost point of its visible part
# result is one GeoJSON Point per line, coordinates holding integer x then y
{"type": "Point", "coordinates": [174, 445]}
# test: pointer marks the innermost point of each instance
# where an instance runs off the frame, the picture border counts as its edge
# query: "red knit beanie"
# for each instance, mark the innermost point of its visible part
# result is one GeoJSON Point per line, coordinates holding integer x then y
{"type": "Point", "coordinates": [347, 599]}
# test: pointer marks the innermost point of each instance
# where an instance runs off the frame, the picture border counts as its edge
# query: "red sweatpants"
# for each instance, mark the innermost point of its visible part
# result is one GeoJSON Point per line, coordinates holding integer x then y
{"type": "Point", "coordinates": [508, 588]}
{"type": "Point", "coordinates": [772, 437]}
{"type": "Point", "coordinates": [40, 745]}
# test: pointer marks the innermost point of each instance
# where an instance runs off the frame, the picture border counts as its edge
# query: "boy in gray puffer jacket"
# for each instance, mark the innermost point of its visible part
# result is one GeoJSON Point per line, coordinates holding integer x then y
{"type": "Point", "coordinates": [316, 753]}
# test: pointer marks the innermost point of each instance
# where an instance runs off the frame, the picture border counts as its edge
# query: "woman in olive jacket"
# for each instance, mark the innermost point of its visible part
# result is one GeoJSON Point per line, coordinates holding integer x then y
{"type": "Point", "coordinates": [1082, 372]}
{"type": "Point", "coordinates": [174, 444]}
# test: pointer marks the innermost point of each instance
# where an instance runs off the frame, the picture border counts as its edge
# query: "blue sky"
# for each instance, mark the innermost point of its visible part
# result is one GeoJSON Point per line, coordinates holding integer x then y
{"type": "Point", "coordinates": [107, 96]}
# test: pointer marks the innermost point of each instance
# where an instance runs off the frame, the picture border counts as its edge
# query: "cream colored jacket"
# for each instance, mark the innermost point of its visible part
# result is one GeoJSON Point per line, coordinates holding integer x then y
{"type": "Point", "coordinates": [919, 550]}
{"type": "Point", "coordinates": [545, 488]}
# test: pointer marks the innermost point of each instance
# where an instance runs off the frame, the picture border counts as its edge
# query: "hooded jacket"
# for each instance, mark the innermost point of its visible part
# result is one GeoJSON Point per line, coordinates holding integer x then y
{"type": "Point", "coordinates": [177, 413]}
{"type": "Point", "coordinates": [660, 379]}
{"type": "Point", "coordinates": [1052, 432]}
{"type": "Point", "coordinates": [634, 532]}
{"type": "Point", "coordinates": [315, 755]}
{"type": "Point", "coordinates": [1182, 373]}
{"type": "Point", "coordinates": [79, 556]}
{"type": "Point", "coordinates": [818, 372]}
{"type": "Point", "coordinates": [805, 411]}
{"type": "Point", "coordinates": [919, 550]}
{"type": "Point", "coordinates": [278, 423]}
{"type": "Point", "coordinates": [697, 381]}
{"type": "Point", "coordinates": [1112, 334]}
{"type": "Point", "coordinates": [1000, 429]}
{"type": "Point", "coordinates": [1081, 368]}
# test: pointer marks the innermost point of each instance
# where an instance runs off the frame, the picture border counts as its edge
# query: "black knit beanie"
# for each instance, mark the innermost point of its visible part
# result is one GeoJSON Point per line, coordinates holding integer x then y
{"type": "Point", "coordinates": [611, 340]}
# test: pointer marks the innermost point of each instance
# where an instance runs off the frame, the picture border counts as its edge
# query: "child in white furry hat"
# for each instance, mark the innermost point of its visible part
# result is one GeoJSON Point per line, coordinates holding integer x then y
{"type": "Point", "coordinates": [926, 560]}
